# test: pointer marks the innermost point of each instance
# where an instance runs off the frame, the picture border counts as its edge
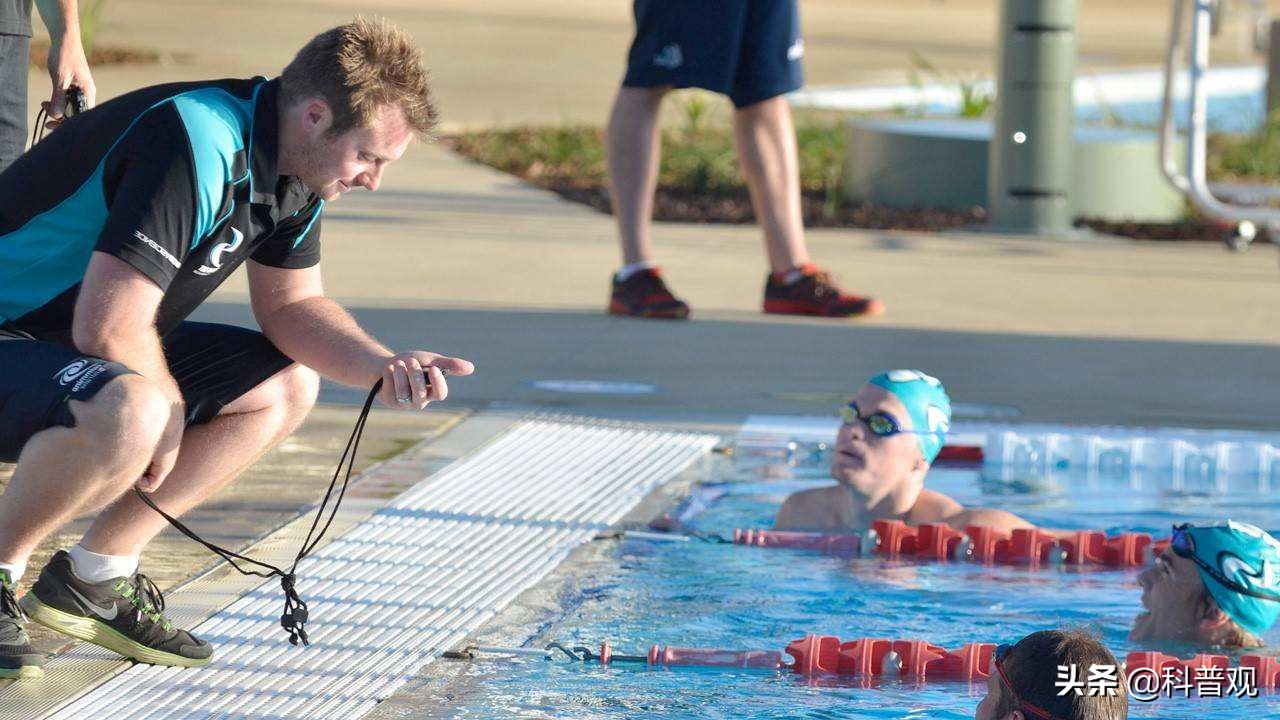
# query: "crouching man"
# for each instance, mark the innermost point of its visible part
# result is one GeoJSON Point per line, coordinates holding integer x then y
{"type": "Point", "coordinates": [112, 230]}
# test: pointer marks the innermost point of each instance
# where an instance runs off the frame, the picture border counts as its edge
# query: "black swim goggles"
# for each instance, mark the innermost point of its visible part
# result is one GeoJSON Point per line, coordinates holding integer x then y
{"type": "Point", "coordinates": [1026, 707]}
{"type": "Point", "coordinates": [1184, 545]}
{"type": "Point", "coordinates": [880, 424]}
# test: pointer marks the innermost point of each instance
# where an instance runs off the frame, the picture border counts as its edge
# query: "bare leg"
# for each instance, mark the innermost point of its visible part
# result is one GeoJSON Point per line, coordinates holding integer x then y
{"type": "Point", "coordinates": [766, 141]}
{"type": "Point", "coordinates": [66, 472]}
{"type": "Point", "coordinates": [633, 144]}
{"type": "Point", "coordinates": [211, 456]}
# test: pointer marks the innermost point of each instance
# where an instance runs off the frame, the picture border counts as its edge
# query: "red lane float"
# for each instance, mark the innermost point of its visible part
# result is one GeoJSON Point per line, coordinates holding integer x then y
{"type": "Point", "coordinates": [1031, 547]}
{"type": "Point", "coordinates": [1205, 668]}
{"type": "Point", "coordinates": [919, 660]}
{"type": "Point", "coordinates": [825, 654]}
{"type": "Point", "coordinates": [960, 454]}
{"type": "Point", "coordinates": [1265, 668]}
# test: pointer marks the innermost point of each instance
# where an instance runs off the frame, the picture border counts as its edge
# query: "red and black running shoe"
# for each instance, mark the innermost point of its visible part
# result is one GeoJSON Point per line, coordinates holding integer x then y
{"type": "Point", "coordinates": [813, 293]}
{"type": "Point", "coordinates": [644, 294]}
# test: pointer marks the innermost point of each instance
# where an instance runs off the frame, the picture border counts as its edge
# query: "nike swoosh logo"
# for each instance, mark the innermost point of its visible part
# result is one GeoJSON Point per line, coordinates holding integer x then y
{"type": "Point", "coordinates": [104, 613]}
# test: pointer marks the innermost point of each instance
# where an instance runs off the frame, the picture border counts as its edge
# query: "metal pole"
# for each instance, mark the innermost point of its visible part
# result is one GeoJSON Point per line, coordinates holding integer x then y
{"type": "Point", "coordinates": [1273, 69]}
{"type": "Point", "coordinates": [1029, 161]}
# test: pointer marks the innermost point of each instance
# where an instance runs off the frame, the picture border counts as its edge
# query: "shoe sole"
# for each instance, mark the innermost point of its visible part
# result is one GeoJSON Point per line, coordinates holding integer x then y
{"type": "Point", "coordinates": [26, 672]}
{"type": "Point", "coordinates": [789, 307]}
{"type": "Point", "coordinates": [622, 310]}
{"type": "Point", "coordinates": [94, 631]}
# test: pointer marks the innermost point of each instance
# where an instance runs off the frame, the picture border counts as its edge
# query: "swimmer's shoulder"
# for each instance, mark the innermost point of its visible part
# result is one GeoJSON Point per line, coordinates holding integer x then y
{"type": "Point", "coordinates": [934, 507]}
{"type": "Point", "coordinates": [816, 509]}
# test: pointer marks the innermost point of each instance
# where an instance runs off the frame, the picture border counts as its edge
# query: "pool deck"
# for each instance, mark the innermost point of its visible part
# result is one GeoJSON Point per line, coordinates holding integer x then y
{"type": "Point", "coordinates": [460, 259]}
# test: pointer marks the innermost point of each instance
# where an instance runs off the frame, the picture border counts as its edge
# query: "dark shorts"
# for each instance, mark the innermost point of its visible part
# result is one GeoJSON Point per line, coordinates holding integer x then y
{"type": "Point", "coordinates": [750, 50]}
{"type": "Point", "coordinates": [13, 97]}
{"type": "Point", "coordinates": [213, 365]}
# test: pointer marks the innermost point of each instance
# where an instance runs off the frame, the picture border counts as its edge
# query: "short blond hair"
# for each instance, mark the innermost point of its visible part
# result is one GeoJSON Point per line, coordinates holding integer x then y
{"type": "Point", "coordinates": [359, 68]}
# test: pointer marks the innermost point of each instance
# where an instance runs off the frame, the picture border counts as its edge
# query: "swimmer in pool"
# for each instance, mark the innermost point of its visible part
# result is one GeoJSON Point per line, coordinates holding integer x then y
{"type": "Point", "coordinates": [1023, 682]}
{"type": "Point", "coordinates": [1216, 585]}
{"type": "Point", "coordinates": [893, 430]}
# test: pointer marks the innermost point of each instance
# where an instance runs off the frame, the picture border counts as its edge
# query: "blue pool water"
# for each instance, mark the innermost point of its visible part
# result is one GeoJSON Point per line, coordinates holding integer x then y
{"type": "Point", "coordinates": [637, 593]}
{"type": "Point", "coordinates": [1240, 113]}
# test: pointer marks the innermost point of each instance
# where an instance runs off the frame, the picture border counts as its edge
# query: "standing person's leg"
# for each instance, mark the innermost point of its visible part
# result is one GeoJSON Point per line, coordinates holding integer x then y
{"type": "Point", "coordinates": [242, 397]}
{"type": "Point", "coordinates": [633, 149]}
{"type": "Point", "coordinates": [769, 66]}
{"type": "Point", "coordinates": [13, 97]}
{"type": "Point", "coordinates": [678, 44]}
{"type": "Point", "coordinates": [767, 154]}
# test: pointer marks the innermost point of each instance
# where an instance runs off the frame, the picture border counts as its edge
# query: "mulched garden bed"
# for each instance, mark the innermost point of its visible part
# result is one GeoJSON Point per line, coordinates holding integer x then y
{"type": "Point", "coordinates": [682, 204]}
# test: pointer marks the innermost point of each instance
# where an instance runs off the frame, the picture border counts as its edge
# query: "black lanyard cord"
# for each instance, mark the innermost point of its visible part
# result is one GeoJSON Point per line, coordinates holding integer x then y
{"type": "Point", "coordinates": [37, 132]}
{"type": "Point", "coordinates": [294, 618]}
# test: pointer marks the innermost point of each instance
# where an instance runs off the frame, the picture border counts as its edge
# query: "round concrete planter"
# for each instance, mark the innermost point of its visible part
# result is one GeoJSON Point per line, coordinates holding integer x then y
{"type": "Point", "coordinates": [909, 163]}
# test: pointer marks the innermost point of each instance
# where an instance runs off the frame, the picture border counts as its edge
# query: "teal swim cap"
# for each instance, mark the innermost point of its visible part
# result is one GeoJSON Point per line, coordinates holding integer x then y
{"type": "Point", "coordinates": [1248, 559]}
{"type": "Point", "coordinates": [926, 402]}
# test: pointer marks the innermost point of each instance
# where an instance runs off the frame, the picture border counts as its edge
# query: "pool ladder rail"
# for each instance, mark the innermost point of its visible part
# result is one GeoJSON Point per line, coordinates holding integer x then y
{"type": "Point", "coordinates": [1247, 221]}
{"type": "Point", "coordinates": [1030, 547]}
{"type": "Point", "coordinates": [818, 655]}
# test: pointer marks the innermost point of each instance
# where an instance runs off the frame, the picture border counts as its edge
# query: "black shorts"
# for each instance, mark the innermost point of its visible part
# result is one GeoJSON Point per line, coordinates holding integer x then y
{"type": "Point", "coordinates": [750, 50]}
{"type": "Point", "coordinates": [213, 365]}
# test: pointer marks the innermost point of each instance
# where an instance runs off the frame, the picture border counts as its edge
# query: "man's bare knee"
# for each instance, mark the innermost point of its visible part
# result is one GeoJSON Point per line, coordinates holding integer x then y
{"type": "Point", "coordinates": [301, 386]}
{"type": "Point", "coordinates": [125, 418]}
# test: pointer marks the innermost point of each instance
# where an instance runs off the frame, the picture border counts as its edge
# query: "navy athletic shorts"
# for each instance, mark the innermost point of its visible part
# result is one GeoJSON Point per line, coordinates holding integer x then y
{"type": "Point", "coordinates": [213, 365]}
{"type": "Point", "coordinates": [750, 50]}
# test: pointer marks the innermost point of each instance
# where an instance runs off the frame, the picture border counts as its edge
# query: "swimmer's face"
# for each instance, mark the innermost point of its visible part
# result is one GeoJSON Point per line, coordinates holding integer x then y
{"type": "Point", "coordinates": [874, 465]}
{"type": "Point", "coordinates": [331, 165]}
{"type": "Point", "coordinates": [1171, 592]}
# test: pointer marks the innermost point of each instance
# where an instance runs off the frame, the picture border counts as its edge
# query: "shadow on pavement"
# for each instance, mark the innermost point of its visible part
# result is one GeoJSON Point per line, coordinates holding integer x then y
{"type": "Point", "coordinates": [734, 365]}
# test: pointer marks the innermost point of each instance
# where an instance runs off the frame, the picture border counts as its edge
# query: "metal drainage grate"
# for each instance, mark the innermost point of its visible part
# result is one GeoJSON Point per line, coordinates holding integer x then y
{"type": "Point", "coordinates": [414, 579]}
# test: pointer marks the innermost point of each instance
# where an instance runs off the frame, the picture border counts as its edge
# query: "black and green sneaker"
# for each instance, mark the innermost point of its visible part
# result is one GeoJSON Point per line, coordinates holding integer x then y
{"type": "Point", "coordinates": [18, 659]}
{"type": "Point", "coordinates": [125, 615]}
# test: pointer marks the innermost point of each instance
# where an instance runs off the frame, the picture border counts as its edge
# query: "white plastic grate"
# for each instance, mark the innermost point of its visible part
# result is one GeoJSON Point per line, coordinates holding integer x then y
{"type": "Point", "coordinates": [412, 580]}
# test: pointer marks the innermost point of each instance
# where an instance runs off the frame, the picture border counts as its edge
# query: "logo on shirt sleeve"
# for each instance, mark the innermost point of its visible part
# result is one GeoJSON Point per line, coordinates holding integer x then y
{"type": "Point", "coordinates": [214, 263]}
{"type": "Point", "coordinates": [156, 246]}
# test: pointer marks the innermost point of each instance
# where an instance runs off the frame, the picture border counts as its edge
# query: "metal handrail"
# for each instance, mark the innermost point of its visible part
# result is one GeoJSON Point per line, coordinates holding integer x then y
{"type": "Point", "coordinates": [1193, 182]}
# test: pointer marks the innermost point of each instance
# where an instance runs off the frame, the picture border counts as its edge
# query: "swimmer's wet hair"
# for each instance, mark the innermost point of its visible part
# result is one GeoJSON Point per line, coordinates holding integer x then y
{"type": "Point", "coordinates": [358, 68]}
{"type": "Point", "coordinates": [1032, 667]}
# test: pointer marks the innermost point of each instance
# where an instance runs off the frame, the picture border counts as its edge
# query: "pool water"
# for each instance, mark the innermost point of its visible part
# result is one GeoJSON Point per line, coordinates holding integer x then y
{"type": "Point", "coordinates": [637, 593]}
{"type": "Point", "coordinates": [1242, 113]}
